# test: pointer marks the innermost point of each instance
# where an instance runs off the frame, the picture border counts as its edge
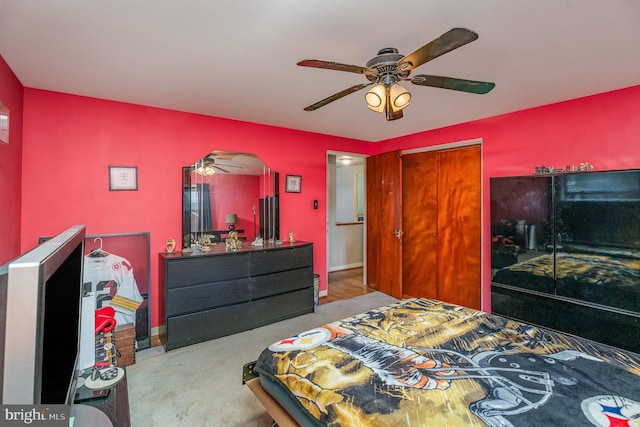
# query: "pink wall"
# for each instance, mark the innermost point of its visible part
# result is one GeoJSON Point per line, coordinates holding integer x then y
{"type": "Point", "coordinates": [603, 130]}
{"type": "Point", "coordinates": [69, 142]}
{"type": "Point", "coordinates": [11, 92]}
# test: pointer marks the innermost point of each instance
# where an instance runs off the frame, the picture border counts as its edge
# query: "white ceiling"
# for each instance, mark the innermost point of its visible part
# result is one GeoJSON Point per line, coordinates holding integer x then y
{"type": "Point", "coordinates": [237, 59]}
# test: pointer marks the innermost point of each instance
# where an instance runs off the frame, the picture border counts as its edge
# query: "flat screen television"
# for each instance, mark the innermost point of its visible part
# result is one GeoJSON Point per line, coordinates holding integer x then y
{"type": "Point", "coordinates": [40, 312]}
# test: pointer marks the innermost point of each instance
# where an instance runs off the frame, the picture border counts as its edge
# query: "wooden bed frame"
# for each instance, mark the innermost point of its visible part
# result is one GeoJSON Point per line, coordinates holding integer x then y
{"type": "Point", "coordinates": [279, 415]}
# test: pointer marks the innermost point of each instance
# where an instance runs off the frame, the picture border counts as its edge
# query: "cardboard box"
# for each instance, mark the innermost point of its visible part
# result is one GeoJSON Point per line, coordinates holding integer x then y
{"type": "Point", "coordinates": [125, 336]}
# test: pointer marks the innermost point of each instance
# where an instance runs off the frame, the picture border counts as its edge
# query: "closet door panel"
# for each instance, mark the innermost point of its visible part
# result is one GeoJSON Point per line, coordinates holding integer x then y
{"type": "Point", "coordinates": [420, 219]}
{"type": "Point", "coordinates": [459, 226]}
{"type": "Point", "coordinates": [384, 216]}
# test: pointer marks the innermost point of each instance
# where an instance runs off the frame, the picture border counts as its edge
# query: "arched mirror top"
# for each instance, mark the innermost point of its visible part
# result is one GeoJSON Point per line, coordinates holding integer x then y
{"type": "Point", "coordinates": [229, 191]}
{"type": "Point", "coordinates": [229, 163]}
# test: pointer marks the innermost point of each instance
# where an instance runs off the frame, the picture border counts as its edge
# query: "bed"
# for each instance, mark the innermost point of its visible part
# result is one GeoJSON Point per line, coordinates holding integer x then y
{"type": "Point", "coordinates": [607, 276]}
{"type": "Point", "coordinates": [423, 362]}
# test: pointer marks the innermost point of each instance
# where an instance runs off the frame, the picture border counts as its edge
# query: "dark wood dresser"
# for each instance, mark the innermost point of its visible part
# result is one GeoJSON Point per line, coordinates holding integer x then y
{"type": "Point", "coordinates": [219, 292]}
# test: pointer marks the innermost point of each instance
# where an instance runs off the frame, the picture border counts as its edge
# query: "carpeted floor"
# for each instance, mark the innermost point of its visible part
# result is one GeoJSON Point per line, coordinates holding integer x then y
{"type": "Point", "coordinates": [201, 385]}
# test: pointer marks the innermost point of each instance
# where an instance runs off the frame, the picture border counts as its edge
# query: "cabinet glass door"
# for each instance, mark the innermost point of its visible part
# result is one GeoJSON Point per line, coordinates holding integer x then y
{"type": "Point", "coordinates": [598, 237]}
{"type": "Point", "coordinates": [522, 252]}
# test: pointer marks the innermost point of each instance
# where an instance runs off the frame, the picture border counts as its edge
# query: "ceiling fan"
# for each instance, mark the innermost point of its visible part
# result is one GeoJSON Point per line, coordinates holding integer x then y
{"type": "Point", "coordinates": [210, 163]}
{"type": "Point", "coordinates": [389, 67]}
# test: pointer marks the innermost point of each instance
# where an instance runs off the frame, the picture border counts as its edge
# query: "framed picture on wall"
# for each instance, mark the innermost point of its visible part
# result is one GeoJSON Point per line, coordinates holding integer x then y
{"type": "Point", "coordinates": [123, 178]}
{"type": "Point", "coordinates": [293, 184]}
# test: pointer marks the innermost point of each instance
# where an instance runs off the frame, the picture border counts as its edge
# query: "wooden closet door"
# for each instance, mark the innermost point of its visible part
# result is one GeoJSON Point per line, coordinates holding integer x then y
{"type": "Point", "coordinates": [420, 222]}
{"type": "Point", "coordinates": [459, 226]}
{"type": "Point", "coordinates": [383, 217]}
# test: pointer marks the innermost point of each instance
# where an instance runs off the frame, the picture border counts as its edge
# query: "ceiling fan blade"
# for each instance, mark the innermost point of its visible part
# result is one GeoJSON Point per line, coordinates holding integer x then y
{"type": "Point", "coordinates": [471, 86]}
{"type": "Point", "coordinates": [336, 96]}
{"type": "Point", "coordinates": [447, 42]}
{"type": "Point", "coordinates": [316, 63]}
{"type": "Point", "coordinates": [219, 168]}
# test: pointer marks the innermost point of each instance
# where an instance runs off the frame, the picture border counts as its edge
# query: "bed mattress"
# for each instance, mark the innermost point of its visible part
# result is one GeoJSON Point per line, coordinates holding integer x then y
{"type": "Point", "coordinates": [423, 362]}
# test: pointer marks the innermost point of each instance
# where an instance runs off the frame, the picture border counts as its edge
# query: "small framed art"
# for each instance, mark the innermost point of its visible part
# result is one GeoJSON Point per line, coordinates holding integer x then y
{"type": "Point", "coordinates": [293, 184]}
{"type": "Point", "coordinates": [123, 178]}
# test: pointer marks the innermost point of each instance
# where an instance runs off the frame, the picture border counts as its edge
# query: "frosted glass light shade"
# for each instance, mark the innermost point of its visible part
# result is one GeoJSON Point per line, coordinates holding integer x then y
{"type": "Point", "coordinates": [205, 170]}
{"type": "Point", "coordinates": [400, 98]}
{"type": "Point", "coordinates": [375, 98]}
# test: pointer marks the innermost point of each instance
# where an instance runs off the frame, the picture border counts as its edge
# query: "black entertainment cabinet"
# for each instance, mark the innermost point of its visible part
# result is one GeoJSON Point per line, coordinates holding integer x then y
{"type": "Point", "coordinates": [565, 253]}
{"type": "Point", "coordinates": [219, 292]}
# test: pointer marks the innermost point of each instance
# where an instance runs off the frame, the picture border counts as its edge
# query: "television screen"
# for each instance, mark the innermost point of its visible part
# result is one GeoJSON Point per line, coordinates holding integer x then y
{"type": "Point", "coordinates": [41, 327]}
{"type": "Point", "coordinates": [61, 332]}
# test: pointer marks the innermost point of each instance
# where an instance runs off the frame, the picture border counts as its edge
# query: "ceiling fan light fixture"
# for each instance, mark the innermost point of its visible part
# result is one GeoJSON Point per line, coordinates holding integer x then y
{"type": "Point", "coordinates": [205, 170]}
{"type": "Point", "coordinates": [375, 98]}
{"type": "Point", "coordinates": [399, 96]}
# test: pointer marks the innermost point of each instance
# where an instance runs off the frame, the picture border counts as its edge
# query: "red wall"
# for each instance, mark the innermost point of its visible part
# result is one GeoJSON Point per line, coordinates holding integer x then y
{"type": "Point", "coordinates": [10, 166]}
{"type": "Point", "coordinates": [241, 194]}
{"type": "Point", "coordinates": [69, 142]}
{"type": "Point", "coordinates": [603, 130]}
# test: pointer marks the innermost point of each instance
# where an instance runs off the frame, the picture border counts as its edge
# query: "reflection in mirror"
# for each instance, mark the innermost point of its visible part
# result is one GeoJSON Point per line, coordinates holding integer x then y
{"type": "Point", "coordinates": [228, 191]}
{"type": "Point", "coordinates": [4, 123]}
{"type": "Point", "coordinates": [350, 191]}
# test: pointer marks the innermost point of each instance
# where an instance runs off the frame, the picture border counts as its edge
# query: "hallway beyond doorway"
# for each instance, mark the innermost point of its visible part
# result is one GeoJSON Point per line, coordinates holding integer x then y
{"type": "Point", "coordinates": [345, 284]}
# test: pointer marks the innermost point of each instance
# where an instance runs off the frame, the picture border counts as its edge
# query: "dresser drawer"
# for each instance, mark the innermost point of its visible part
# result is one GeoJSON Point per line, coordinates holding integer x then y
{"type": "Point", "coordinates": [197, 327]}
{"type": "Point", "coordinates": [201, 297]}
{"type": "Point", "coordinates": [279, 260]}
{"type": "Point", "coordinates": [277, 283]}
{"type": "Point", "coordinates": [206, 269]}
{"type": "Point", "coordinates": [284, 306]}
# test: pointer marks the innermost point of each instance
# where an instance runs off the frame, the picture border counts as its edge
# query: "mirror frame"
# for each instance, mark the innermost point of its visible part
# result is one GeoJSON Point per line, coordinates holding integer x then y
{"type": "Point", "coordinates": [4, 123]}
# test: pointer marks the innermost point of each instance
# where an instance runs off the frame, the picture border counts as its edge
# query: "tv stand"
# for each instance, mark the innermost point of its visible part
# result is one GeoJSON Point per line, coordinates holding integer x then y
{"type": "Point", "coordinates": [87, 415]}
{"type": "Point", "coordinates": [112, 402]}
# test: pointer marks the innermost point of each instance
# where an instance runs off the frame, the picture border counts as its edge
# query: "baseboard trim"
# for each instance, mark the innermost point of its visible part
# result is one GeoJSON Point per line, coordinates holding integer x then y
{"type": "Point", "coordinates": [346, 266]}
{"type": "Point", "coordinates": [157, 336]}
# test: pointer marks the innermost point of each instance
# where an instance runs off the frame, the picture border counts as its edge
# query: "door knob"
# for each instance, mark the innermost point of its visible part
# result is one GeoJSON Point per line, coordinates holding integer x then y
{"type": "Point", "coordinates": [398, 233]}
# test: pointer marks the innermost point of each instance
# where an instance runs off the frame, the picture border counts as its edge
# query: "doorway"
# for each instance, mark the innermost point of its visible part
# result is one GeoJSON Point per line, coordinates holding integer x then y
{"type": "Point", "coordinates": [345, 213]}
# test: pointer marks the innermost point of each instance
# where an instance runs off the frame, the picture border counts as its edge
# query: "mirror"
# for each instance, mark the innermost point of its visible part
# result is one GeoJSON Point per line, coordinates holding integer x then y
{"type": "Point", "coordinates": [4, 123]}
{"type": "Point", "coordinates": [228, 191]}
